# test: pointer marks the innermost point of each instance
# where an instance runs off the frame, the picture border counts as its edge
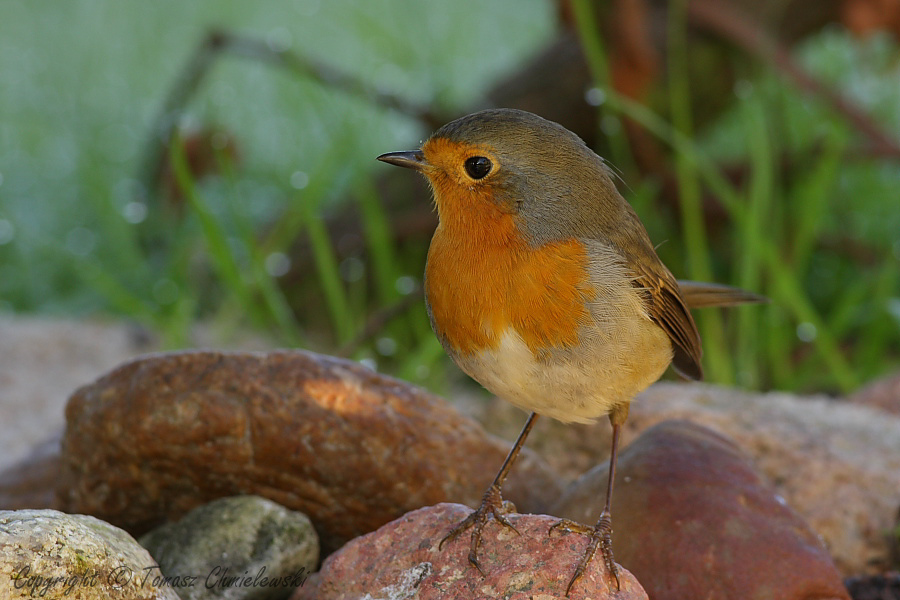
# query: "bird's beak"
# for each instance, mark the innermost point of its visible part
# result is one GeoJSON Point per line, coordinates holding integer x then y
{"type": "Point", "coordinates": [411, 160]}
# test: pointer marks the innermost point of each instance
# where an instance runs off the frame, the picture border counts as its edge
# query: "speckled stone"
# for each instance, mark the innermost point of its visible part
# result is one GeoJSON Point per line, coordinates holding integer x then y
{"type": "Point", "coordinates": [52, 555]}
{"type": "Point", "coordinates": [402, 560]}
{"type": "Point", "coordinates": [240, 536]}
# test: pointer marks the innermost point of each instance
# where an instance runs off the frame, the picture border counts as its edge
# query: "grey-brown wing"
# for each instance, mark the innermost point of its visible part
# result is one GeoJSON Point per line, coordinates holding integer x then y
{"type": "Point", "coordinates": [665, 303]}
{"type": "Point", "coordinates": [669, 310]}
{"type": "Point", "coordinates": [611, 220]}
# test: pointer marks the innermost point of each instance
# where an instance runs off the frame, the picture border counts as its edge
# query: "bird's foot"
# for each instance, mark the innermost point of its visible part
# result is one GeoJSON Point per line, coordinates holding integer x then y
{"type": "Point", "coordinates": [601, 538]}
{"type": "Point", "coordinates": [492, 504]}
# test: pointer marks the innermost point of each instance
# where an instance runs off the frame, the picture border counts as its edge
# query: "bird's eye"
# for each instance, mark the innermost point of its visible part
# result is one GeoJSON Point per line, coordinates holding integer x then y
{"type": "Point", "coordinates": [478, 167]}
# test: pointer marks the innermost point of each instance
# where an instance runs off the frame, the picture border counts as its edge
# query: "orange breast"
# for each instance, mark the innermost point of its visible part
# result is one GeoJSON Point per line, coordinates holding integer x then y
{"type": "Point", "coordinates": [482, 279]}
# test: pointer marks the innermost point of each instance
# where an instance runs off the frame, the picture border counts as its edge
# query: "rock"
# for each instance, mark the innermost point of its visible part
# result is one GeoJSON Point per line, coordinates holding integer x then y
{"type": "Point", "coordinates": [43, 359]}
{"type": "Point", "coordinates": [848, 489]}
{"type": "Point", "coordinates": [241, 536]}
{"type": "Point", "coordinates": [349, 447]}
{"type": "Point", "coordinates": [882, 393]}
{"type": "Point", "coordinates": [402, 560]}
{"type": "Point", "coordinates": [32, 482]}
{"type": "Point", "coordinates": [692, 519]}
{"type": "Point", "coordinates": [49, 554]}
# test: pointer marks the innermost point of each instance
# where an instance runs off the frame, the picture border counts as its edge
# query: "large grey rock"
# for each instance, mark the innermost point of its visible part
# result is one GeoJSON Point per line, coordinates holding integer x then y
{"type": "Point", "coordinates": [268, 548]}
{"type": "Point", "coordinates": [49, 554]}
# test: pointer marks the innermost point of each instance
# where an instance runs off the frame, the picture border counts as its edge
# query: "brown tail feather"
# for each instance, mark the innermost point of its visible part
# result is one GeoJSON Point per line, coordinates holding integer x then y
{"type": "Point", "coordinates": [698, 294]}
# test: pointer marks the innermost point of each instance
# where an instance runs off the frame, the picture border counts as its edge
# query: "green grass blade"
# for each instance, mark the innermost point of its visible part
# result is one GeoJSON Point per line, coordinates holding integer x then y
{"type": "Point", "coordinates": [214, 235]}
{"type": "Point", "coordinates": [379, 239]}
{"type": "Point", "coordinates": [343, 319]}
{"type": "Point", "coordinates": [875, 339]}
{"type": "Point", "coordinates": [719, 367]}
{"type": "Point", "coordinates": [810, 200]}
{"type": "Point", "coordinates": [750, 236]}
{"type": "Point", "coordinates": [275, 304]}
{"type": "Point", "coordinates": [595, 54]}
{"type": "Point", "coordinates": [790, 293]}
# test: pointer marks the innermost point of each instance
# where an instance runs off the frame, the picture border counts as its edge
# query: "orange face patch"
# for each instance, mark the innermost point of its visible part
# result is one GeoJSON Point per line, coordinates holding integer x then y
{"type": "Point", "coordinates": [482, 278]}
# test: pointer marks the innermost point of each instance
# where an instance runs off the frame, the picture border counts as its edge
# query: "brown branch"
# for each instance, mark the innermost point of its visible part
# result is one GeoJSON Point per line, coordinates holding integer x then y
{"type": "Point", "coordinates": [218, 43]}
{"type": "Point", "coordinates": [731, 23]}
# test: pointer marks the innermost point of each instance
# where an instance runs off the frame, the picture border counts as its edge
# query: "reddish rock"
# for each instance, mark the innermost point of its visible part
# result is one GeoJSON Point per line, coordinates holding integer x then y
{"type": "Point", "coordinates": [848, 489]}
{"type": "Point", "coordinates": [328, 437]}
{"type": "Point", "coordinates": [836, 464]}
{"type": "Point", "coordinates": [32, 482]}
{"type": "Point", "coordinates": [692, 519]}
{"type": "Point", "coordinates": [882, 393]}
{"type": "Point", "coordinates": [402, 560]}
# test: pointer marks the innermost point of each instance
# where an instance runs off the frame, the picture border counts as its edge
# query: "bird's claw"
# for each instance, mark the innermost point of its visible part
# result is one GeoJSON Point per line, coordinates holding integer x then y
{"type": "Point", "coordinates": [492, 504]}
{"type": "Point", "coordinates": [568, 526]}
{"type": "Point", "coordinates": [600, 538]}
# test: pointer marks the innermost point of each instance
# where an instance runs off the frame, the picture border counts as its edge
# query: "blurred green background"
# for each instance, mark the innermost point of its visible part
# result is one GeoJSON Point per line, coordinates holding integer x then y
{"type": "Point", "coordinates": [268, 212]}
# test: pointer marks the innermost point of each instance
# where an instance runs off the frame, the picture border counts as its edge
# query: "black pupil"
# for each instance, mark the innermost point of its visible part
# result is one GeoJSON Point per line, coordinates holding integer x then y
{"type": "Point", "coordinates": [478, 166]}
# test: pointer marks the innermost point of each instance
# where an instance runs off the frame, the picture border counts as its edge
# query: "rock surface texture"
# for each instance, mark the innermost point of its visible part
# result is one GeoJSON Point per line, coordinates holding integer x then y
{"type": "Point", "coordinates": [32, 482]}
{"type": "Point", "coordinates": [835, 463]}
{"type": "Point", "coordinates": [237, 548]}
{"type": "Point", "coordinates": [52, 555]}
{"type": "Point", "coordinates": [692, 519]}
{"type": "Point", "coordinates": [350, 448]}
{"type": "Point", "coordinates": [883, 394]}
{"type": "Point", "coordinates": [402, 560]}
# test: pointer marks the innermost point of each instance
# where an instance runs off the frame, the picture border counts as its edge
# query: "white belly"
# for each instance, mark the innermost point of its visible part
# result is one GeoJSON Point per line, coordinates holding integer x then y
{"type": "Point", "coordinates": [610, 369]}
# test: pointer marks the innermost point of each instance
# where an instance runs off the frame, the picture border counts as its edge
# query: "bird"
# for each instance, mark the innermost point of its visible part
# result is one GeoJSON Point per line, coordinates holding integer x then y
{"type": "Point", "coordinates": [542, 284]}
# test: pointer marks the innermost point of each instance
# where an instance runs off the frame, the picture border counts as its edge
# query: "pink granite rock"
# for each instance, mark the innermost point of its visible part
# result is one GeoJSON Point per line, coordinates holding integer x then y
{"type": "Point", "coordinates": [402, 560]}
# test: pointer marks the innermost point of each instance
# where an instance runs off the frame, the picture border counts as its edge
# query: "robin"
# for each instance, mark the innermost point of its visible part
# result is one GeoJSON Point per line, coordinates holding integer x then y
{"type": "Point", "coordinates": [542, 285]}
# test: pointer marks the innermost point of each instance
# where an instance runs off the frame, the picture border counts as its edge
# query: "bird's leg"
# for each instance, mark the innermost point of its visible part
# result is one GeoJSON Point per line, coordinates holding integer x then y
{"type": "Point", "coordinates": [492, 502]}
{"type": "Point", "coordinates": [601, 532]}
